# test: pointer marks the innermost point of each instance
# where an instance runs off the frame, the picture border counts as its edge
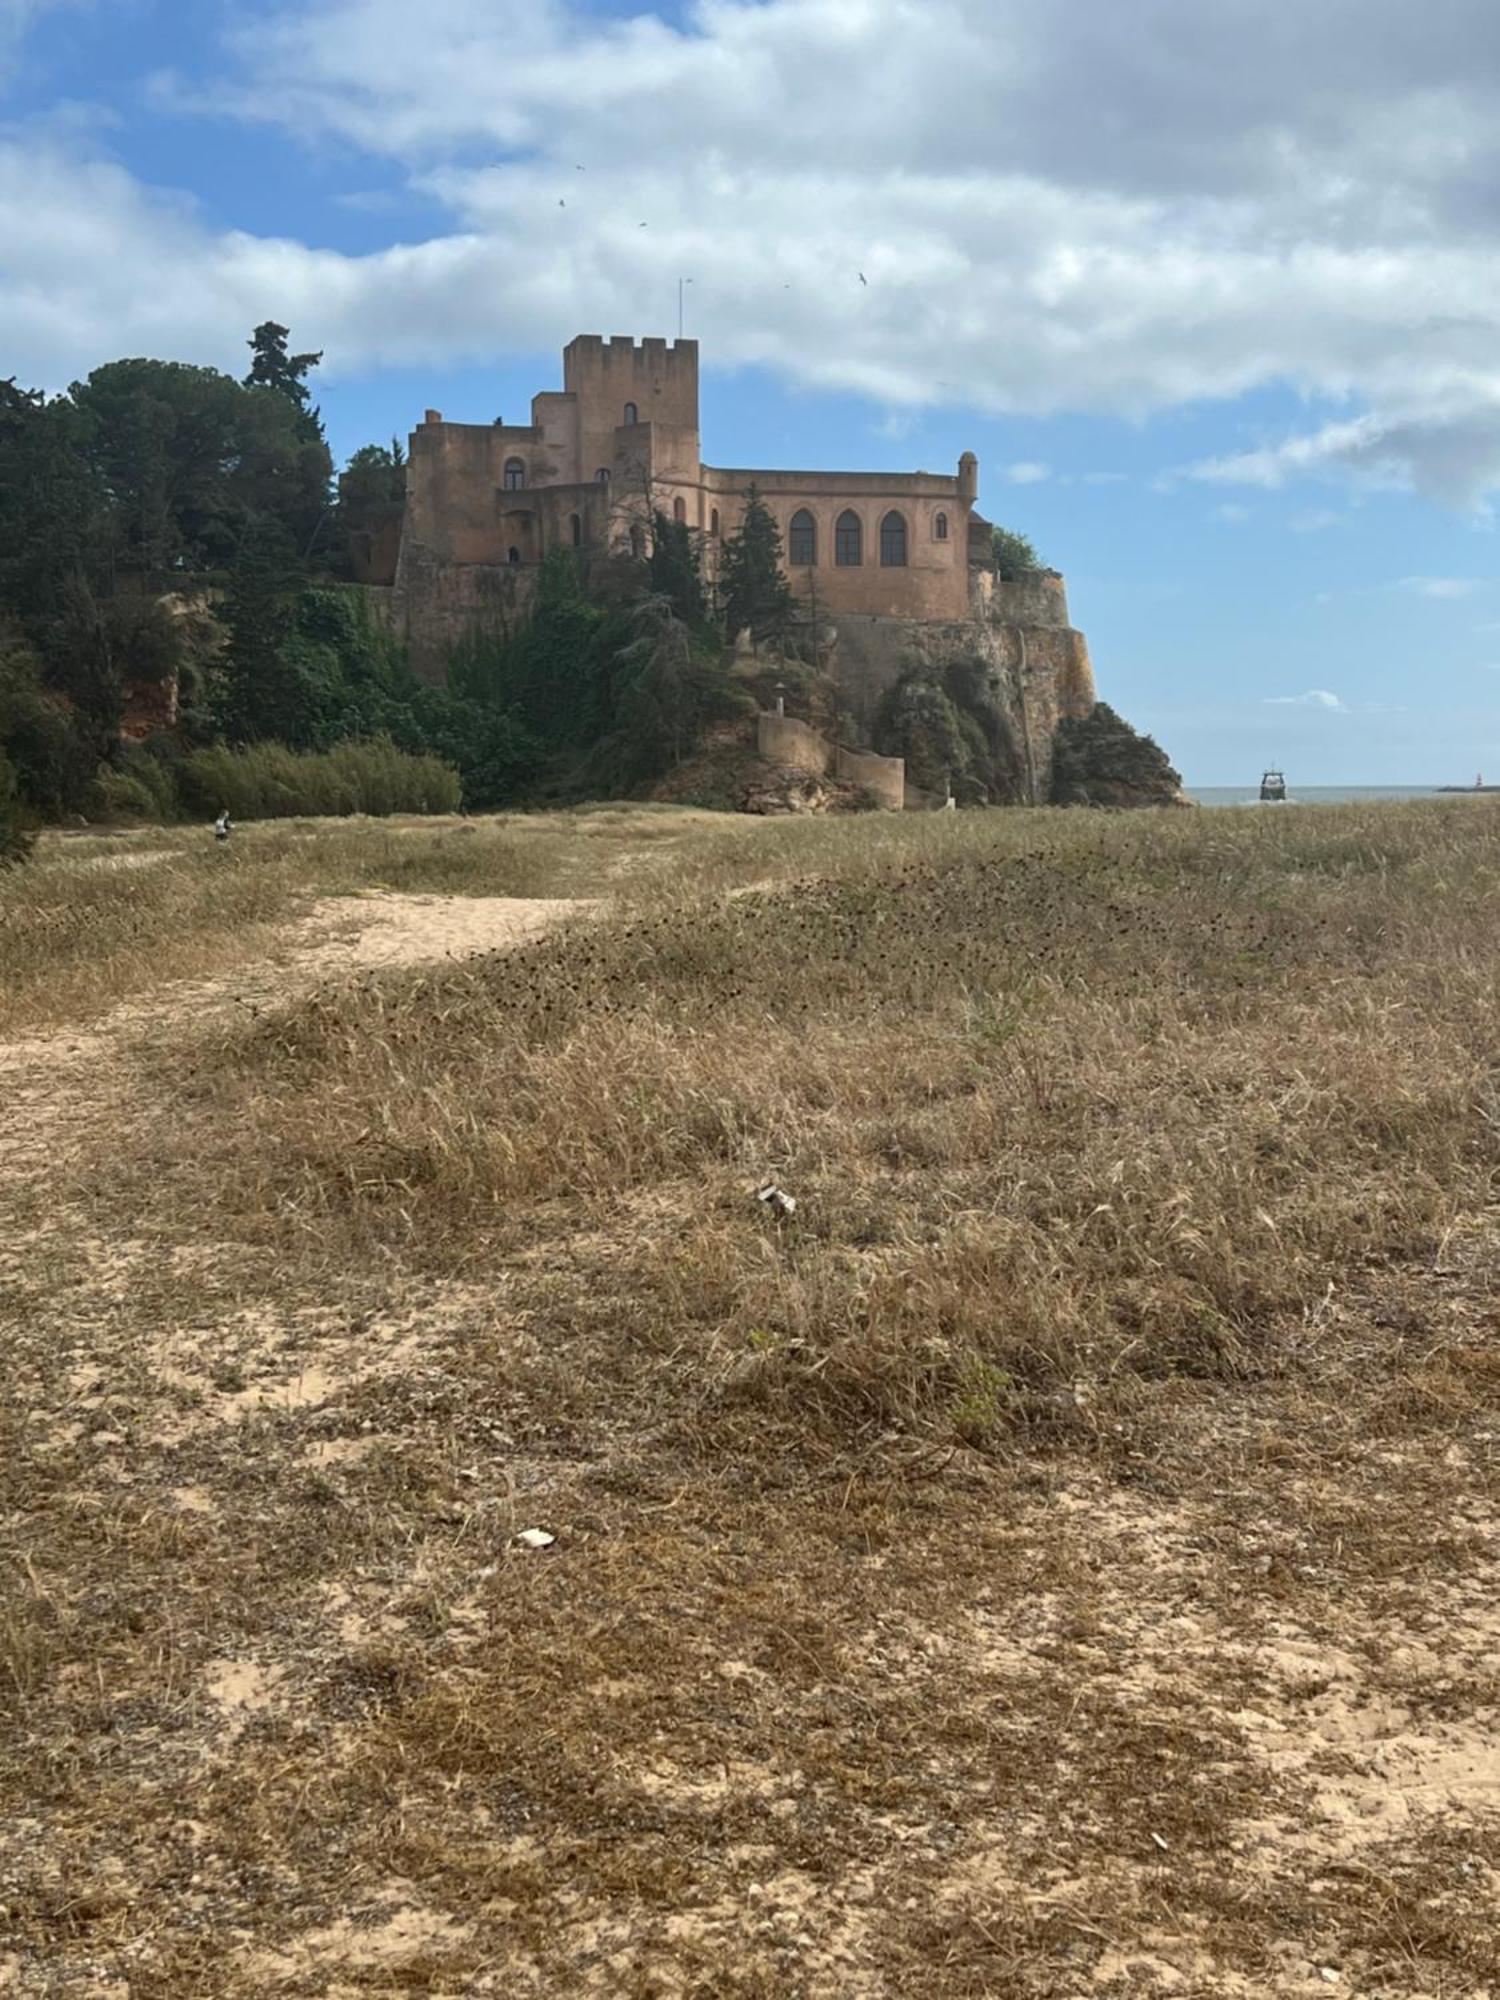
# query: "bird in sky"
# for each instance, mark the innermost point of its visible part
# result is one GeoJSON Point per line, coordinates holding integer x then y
{"type": "Point", "coordinates": [560, 202]}
{"type": "Point", "coordinates": [863, 279]}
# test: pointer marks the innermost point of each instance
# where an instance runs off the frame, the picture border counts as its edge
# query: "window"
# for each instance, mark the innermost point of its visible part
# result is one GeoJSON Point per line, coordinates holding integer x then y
{"type": "Point", "coordinates": [515, 557]}
{"type": "Point", "coordinates": [638, 541]}
{"type": "Point", "coordinates": [893, 542]}
{"type": "Point", "coordinates": [713, 522]}
{"type": "Point", "coordinates": [577, 527]}
{"type": "Point", "coordinates": [940, 528]}
{"type": "Point", "coordinates": [632, 415]}
{"type": "Point", "coordinates": [848, 537]}
{"type": "Point", "coordinates": [515, 474]}
{"type": "Point", "coordinates": [802, 541]}
{"type": "Point", "coordinates": [602, 475]}
{"type": "Point", "coordinates": [679, 509]}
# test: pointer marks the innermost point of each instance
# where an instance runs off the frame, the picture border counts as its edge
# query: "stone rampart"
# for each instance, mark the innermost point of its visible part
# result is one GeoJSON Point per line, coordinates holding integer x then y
{"type": "Point", "coordinates": [782, 739]}
{"type": "Point", "coordinates": [884, 778]}
{"type": "Point", "coordinates": [433, 605]}
{"type": "Point", "coordinates": [1039, 601]}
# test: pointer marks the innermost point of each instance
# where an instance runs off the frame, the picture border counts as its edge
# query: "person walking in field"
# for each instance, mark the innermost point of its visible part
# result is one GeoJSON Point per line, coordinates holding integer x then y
{"type": "Point", "coordinates": [222, 828]}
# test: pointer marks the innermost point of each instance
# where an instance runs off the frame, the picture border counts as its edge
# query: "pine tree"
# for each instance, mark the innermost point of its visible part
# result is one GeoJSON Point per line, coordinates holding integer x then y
{"type": "Point", "coordinates": [274, 368]}
{"type": "Point", "coordinates": [756, 594]}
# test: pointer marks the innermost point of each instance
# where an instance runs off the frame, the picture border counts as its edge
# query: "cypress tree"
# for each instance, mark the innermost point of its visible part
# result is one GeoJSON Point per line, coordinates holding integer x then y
{"type": "Point", "coordinates": [755, 591]}
{"type": "Point", "coordinates": [674, 570]}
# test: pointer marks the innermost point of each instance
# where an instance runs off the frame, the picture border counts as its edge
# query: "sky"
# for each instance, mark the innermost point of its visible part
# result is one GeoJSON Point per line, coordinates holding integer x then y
{"type": "Point", "coordinates": [1210, 286]}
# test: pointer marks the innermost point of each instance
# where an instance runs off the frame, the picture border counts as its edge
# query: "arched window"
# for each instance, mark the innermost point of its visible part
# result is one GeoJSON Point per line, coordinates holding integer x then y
{"type": "Point", "coordinates": [679, 509]}
{"type": "Point", "coordinates": [632, 415]}
{"type": "Point", "coordinates": [893, 542]}
{"type": "Point", "coordinates": [802, 540]}
{"type": "Point", "coordinates": [515, 474]}
{"type": "Point", "coordinates": [602, 475]}
{"type": "Point", "coordinates": [515, 557]}
{"type": "Point", "coordinates": [940, 528]}
{"type": "Point", "coordinates": [848, 541]}
{"type": "Point", "coordinates": [577, 527]}
{"type": "Point", "coordinates": [638, 541]}
{"type": "Point", "coordinates": [713, 522]}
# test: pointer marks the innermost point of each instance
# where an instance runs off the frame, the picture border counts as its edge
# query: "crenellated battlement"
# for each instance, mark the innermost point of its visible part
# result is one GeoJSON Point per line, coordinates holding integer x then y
{"type": "Point", "coordinates": [589, 346]}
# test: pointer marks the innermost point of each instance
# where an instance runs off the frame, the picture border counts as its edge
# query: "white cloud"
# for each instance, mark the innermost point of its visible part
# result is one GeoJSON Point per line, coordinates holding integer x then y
{"type": "Point", "coordinates": [1314, 698]}
{"type": "Point", "coordinates": [1315, 520]}
{"type": "Point", "coordinates": [1050, 210]}
{"type": "Point", "coordinates": [1027, 472]}
{"type": "Point", "coordinates": [1231, 513]}
{"type": "Point", "coordinates": [1447, 588]}
{"type": "Point", "coordinates": [1105, 478]}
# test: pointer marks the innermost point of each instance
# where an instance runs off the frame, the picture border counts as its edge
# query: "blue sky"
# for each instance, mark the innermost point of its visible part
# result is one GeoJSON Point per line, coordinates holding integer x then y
{"type": "Point", "coordinates": [1212, 291]}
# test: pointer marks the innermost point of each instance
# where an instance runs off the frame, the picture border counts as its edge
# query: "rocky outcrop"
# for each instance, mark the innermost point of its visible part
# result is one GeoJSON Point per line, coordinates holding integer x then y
{"type": "Point", "coordinates": [786, 788]}
{"type": "Point", "coordinates": [148, 708]}
{"type": "Point", "coordinates": [1099, 760]}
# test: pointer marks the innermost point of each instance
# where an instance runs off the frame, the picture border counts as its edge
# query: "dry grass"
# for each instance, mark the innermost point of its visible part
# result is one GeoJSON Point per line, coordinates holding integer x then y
{"type": "Point", "coordinates": [1057, 1562]}
{"type": "Point", "coordinates": [100, 918]}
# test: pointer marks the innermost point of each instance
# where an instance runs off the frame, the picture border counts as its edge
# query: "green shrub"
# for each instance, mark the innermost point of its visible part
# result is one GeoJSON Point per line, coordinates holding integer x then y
{"type": "Point", "coordinates": [16, 836]}
{"type": "Point", "coordinates": [269, 781]}
{"type": "Point", "coordinates": [140, 787]}
{"type": "Point", "coordinates": [1014, 556]}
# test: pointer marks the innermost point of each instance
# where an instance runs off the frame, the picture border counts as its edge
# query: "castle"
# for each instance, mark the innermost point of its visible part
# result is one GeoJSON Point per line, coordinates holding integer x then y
{"type": "Point", "coordinates": [902, 563]}
{"type": "Point", "coordinates": [621, 439]}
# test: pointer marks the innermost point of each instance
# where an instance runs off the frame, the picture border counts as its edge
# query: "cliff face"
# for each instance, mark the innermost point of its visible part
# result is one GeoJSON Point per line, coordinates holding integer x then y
{"type": "Point", "coordinates": [1035, 667]}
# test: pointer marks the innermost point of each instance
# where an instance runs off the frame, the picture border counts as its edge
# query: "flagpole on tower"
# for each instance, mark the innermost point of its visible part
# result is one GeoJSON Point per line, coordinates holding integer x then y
{"type": "Point", "coordinates": [681, 283]}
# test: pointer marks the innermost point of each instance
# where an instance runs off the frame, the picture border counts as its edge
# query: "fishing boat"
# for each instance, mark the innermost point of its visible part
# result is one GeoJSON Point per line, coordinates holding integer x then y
{"type": "Point", "coordinates": [1272, 788]}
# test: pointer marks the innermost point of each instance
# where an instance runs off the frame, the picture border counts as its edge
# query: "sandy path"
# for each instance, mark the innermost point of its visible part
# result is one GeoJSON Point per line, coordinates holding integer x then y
{"type": "Point", "coordinates": [60, 1089]}
{"type": "Point", "coordinates": [349, 933]}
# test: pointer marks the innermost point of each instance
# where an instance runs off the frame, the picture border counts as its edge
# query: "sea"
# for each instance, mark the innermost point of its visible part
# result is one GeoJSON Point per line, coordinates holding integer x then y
{"type": "Point", "coordinates": [1317, 795]}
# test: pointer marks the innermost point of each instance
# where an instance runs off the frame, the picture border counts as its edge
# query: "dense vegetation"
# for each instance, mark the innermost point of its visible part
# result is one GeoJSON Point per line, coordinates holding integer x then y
{"type": "Point", "coordinates": [170, 540]}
